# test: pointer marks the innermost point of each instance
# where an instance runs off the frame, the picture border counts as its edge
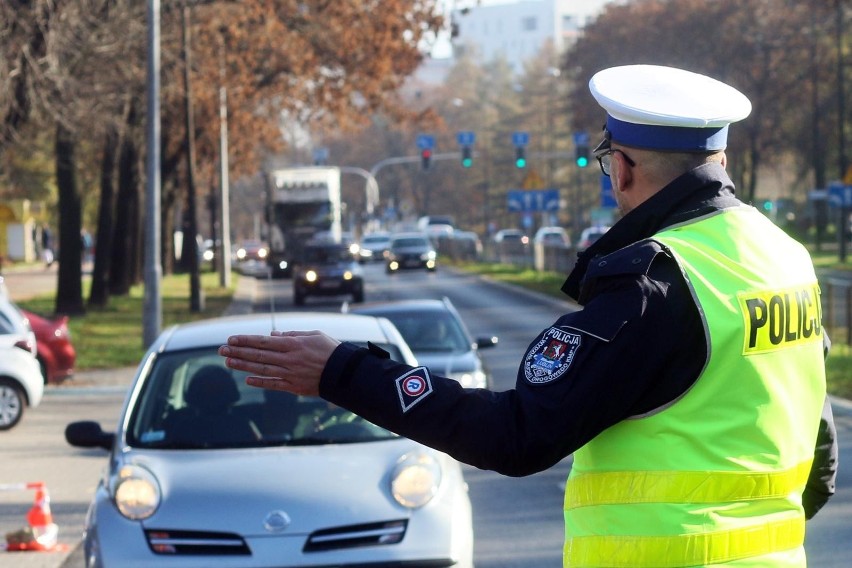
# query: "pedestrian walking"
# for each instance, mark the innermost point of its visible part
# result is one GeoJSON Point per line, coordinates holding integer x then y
{"type": "Point", "coordinates": [690, 388]}
{"type": "Point", "coordinates": [47, 246]}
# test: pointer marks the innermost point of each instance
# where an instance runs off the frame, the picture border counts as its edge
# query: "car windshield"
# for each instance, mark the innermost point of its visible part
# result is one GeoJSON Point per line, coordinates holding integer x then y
{"type": "Point", "coordinates": [429, 331]}
{"type": "Point", "coordinates": [409, 242]}
{"type": "Point", "coordinates": [327, 254]}
{"type": "Point", "coordinates": [190, 400]}
{"type": "Point", "coordinates": [374, 240]}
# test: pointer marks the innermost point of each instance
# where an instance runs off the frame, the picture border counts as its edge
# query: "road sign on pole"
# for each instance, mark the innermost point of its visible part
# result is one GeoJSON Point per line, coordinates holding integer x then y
{"type": "Point", "coordinates": [425, 141]}
{"type": "Point", "coordinates": [520, 138]}
{"type": "Point", "coordinates": [466, 138]}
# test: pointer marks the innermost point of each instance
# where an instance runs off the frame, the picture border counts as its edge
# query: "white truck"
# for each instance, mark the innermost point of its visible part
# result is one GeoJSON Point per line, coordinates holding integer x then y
{"type": "Point", "coordinates": [303, 203]}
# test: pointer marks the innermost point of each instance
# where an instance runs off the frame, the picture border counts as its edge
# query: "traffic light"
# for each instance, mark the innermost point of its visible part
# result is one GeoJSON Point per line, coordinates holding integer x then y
{"type": "Point", "coordinates": [520, 157]}
{"type": "Point", "coordinates": [582, 155]}
{"type": "Point", "coordinates": [425, 158]}
{"type": "Point", "coordinates": [467, 156]}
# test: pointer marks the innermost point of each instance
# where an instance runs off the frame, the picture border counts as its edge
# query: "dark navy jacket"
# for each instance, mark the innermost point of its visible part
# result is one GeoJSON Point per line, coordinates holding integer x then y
{"type": "Point", "coordinates": [643, 346]}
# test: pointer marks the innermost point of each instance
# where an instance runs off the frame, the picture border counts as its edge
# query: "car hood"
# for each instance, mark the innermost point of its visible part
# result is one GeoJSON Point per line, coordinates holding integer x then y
{"type": "Point", "coordinates": [445, 362]}
{"type": "Point", "coordinates": [317, 487]}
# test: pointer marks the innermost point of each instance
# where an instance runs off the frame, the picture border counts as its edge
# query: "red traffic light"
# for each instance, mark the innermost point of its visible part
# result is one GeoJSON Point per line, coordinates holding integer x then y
{"type": "Point", "coordinates": [425, 157]}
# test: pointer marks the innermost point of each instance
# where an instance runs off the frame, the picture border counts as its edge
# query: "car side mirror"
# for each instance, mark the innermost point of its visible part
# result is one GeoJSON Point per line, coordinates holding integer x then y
{"type": "Point", "coordinates": [483, 342]}
{"type": "Point", "coordinates": [88, 434]}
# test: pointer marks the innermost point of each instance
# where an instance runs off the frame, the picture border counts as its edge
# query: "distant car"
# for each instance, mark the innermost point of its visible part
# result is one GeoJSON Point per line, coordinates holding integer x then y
{"type": "Point", "coordinates": [439, 338]}
{"type": "Point", "coordinates": [411, 250]}
{"type": "Point", "coordinates": [511, 236]}
{"type": "Point", "coordinates": [589, 236]}
{"type": "Point", "coordinates": [552, 236]}
{"type": "Point", "coordinates": [327, 268]}
{"type": "Point", "coordinates": [55, 352]}
{"type": "Point", "coordinates": [21, 381]}
{"type": "Point", "coordinates": [251, 258]}
{"type": "Point", "coordinates": [374, 246]}
{"type": "Point", "coordinates": [205, 470]}
{"type": "Point", "coordinates": [252, 250]}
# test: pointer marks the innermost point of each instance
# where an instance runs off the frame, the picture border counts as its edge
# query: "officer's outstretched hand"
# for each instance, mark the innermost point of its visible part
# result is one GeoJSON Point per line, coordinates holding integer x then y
{"type": "Point", "coordinates": [290, 361]}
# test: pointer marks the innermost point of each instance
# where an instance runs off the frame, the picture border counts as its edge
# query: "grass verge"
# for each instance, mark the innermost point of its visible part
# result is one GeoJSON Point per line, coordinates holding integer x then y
{"type": "Point", "coordinates": [112, 336]}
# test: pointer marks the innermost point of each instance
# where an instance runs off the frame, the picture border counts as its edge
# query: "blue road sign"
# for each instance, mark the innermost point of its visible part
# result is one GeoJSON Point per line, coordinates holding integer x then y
{"type": "Point", "coordinates": [840, 195]}
{"type": "Point", "coordinates": [425, 141]}
{"type": "Point", "coordinates": [466, 138]}
{"type": "Point", "coordinates": [520, 138]}
{"type": "Point", "coordinates": [530, 201]}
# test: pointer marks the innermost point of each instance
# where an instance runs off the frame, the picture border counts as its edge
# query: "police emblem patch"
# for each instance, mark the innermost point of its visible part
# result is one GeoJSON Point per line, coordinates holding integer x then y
{"type": "Point", "coordinates": [413, 387]}
{"type": "Point", "coordinates": [551, 356]}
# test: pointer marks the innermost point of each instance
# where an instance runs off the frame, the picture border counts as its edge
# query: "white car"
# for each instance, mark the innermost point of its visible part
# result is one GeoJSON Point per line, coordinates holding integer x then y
{"type": "Point", "coordinates": [207, 471]}
{"type": "Point", "coordinates": [552, 236]}
{"type": "Point", "coordinates": [374, 246]}
{"type": "Point", "coordinates": [21, 381]}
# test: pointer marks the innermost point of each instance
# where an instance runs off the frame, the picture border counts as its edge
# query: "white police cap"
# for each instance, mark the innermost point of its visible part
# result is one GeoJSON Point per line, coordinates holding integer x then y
{"type": "Point", "coordinates": [668, 109]}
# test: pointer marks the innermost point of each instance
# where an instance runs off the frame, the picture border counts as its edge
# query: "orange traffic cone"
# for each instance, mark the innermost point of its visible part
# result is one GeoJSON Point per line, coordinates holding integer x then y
{"type": "Point", "coordinates": [41, 532]}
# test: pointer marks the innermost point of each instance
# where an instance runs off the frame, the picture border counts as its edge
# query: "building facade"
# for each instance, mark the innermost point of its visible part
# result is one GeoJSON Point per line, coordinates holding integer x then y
{"type": "Point", "coordinates": [517, 31]}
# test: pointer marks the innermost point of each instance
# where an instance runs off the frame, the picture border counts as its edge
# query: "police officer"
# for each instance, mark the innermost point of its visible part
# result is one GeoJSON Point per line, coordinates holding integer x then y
{"type": "Point", "coordinates": [691, 386]}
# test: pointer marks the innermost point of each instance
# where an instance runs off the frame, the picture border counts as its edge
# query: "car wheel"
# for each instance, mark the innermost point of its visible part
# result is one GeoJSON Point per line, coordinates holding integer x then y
{"type": "Point", "coordinates": [12, 403]}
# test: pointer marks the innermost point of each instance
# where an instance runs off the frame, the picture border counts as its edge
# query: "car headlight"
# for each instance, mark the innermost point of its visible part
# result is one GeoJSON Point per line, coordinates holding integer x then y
{"type": "Point", "coordinates": [311, 276]}
{"type": "Point", "coordinates": [136, 492]}
{"type": "Point", "coordinates": [470, 379]}
{"type": "Point", "coordinates": [261, 253]}
{"type": "Point", "coordinates": [241, 253]}
{"type": "Point", "coordinates": [354, 248]}
{"type": "Point", "coordinates": [208, 255]}
{"type": "Point", "coordinates": [428, 255]}
{"type": "Point", "coordinates": [415, 480]}
{"type": "Point", "coordinates": [347, 275]}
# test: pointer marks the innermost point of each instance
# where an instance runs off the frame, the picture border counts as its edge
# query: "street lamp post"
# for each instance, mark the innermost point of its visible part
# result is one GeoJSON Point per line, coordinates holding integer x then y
{"type": "Point", "coordinates": [152, 314]}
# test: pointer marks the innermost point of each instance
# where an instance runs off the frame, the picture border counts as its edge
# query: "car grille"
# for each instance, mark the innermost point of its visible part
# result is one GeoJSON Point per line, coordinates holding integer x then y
{"type": "Point", "coordinates": [178, 543]}
{"type": "Point", "coordinates": [354, 536]}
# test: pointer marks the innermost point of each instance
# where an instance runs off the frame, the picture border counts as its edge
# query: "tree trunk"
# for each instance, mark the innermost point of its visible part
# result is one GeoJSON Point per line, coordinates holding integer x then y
{"type": "Point", "coordinates": [123, 267]}
{"type": "Point", "coordinates": [69, 289]}
{"type": "Point", "coordinates": [99, 294]}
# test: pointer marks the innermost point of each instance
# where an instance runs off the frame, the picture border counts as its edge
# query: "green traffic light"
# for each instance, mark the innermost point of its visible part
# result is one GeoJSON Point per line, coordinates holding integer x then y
{"type": "Point", "coordinates": [582, 161]}
{"type": "Point", "coordinates": [467, 162]}
{"type": "Point", "coordinates": [521, 163]}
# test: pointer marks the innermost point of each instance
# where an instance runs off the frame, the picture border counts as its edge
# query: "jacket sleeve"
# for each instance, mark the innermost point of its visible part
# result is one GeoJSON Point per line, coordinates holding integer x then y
{"type": "Point", "coordinates": [590, 369]}
{"type": "Point", "coordinates": [821, 481]}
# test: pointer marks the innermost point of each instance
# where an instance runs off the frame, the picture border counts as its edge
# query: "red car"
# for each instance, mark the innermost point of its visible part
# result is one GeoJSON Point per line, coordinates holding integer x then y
{"type": "Point", "coordinates": [56, 354]}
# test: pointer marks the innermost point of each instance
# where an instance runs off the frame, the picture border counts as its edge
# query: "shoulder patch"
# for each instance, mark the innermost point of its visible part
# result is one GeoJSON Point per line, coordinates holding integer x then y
{"type": "Point", "coordinates": [550, 356]}
{"type": "Point", "coordinates": [412, 387]}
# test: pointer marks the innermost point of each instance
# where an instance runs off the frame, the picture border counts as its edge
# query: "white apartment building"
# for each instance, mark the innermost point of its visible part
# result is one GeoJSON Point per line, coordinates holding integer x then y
{"type": "Point", "coordinates": [518, 30]}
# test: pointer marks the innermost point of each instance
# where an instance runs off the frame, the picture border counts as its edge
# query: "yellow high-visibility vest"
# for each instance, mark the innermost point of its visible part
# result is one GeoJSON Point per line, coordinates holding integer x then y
{"type": "Point", "coordinates": [717, 476]}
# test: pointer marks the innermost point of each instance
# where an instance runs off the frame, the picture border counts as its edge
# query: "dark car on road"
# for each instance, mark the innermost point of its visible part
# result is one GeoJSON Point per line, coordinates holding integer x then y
{"type": "Point", "coordinates": [438, 337]}
{"type": "Point", "coordinates": [327, 268]}
{"type": "Point", "coordinates": [411, 250]}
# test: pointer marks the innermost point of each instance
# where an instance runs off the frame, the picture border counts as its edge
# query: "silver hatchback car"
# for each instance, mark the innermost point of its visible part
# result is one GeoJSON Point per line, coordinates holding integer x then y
{"type": "Point", "coordinates": [205, 470]}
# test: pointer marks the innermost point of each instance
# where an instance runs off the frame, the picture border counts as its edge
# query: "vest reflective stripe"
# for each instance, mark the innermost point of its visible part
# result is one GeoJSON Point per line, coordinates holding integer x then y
{"type": "Point", "coordinates": [699, 549]}
{"type": "Point", "coordinates": [683, 486]}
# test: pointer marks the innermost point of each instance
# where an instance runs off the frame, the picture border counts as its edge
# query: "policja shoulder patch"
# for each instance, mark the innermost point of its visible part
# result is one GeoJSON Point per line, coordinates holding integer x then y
{"type": "Point", "coordinates": [551, 356]}
{"type": "Point", "coordinates": [412, 387]}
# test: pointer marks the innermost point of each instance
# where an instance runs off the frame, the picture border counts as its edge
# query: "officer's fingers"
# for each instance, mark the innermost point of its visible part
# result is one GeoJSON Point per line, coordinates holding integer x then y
{"type": "Point", "coordinates": [295, 386]}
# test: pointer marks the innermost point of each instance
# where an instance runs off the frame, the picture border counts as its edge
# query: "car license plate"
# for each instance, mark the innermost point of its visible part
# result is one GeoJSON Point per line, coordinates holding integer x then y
{"type": "Point", "coordinates": [329, 285]}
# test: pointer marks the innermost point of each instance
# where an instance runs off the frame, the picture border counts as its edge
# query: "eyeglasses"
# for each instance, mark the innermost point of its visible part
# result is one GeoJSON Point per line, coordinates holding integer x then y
{"type": "Point", "coordinates": [605, 159]}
